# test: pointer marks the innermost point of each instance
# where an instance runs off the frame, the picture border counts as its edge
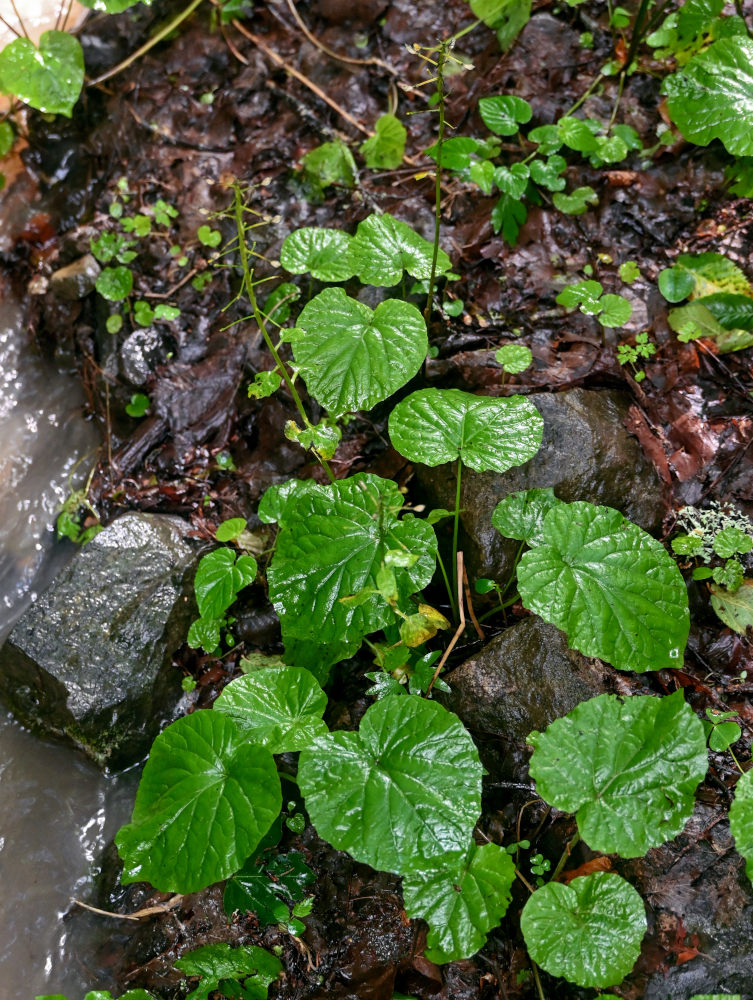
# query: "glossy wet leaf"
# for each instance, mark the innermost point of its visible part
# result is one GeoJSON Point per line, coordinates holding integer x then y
{"type": "Point", "coordinates": [612, 588]}
{"type": "Point", "coordinates": [280, 709]}
{"type": "Point", "coordinates": [272, 505]}
{"type": "Point", "coordinates": [404, 789]}
{"type": "Point", "coordinates": [711, 97]}
{"type": "Point", "coordinates": [219, 577]}
{"type": "Point", "coordinates": [504, 114]}
{"type": "Point", "coordinates": [115, 283]}
{"type": "Point", "coordinates": [205, 633]}
{"type": "Point", "coordinates": [514, 358]}
{"type": "Point", "coordinates": [697, 276]}
{"type": "Point", "coordinates": [383, 247]}
{"type": "Point", "coordinates": [741, 820]}
{"type": "Point", "coordinates": [628, 770]}
{"type": "Point", "coordinates": [512, 180]}
{"type": "Point", "coordinates": [588, 932]}
{"type": "Point", "coordinates": [548, 172]}
{"type": "Point", "coordinates": [206, 798]}
{"type": "Point", "coordinates": [231, 529]}
{"type": "Point", "coordinates": [277, 304]}
{"type": "Point", "coordinates": [435, 426]}
{"type": "Point", "coordinates": [323, 253]}
{"type": "Point", "coordinates": [250, 969]}
{"type": "Point", "coordinates": [577, 202]}
{"type": "Point", "coordinates": [50, 77]}
{"type": "Point", "coordinates": [520, 515]}
{"type": "Point", "coordinates": [615, 310]}
{"type": "Point", "coordinates": [267, 889]}
{"type": "Point", "coordinates": [331, 545]}
{"type": "Point", "coordinates": [734, 609]}
{"type": "Point", "coordinates": [384, 150]}
{"type": "Point", "coordinates": [460, 904]}
{"type": "Point", "coordinates": [352, 357]}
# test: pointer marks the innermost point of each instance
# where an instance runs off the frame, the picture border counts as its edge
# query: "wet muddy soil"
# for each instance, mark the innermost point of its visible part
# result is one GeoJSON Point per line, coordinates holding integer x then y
{"type": "Point", "coordinates": [211, 105]}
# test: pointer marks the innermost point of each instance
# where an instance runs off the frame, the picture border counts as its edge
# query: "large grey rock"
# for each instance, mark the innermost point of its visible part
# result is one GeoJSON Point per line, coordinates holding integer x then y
{"type": "Point", "coordinates": [91, 659]}
{"type": "Point", "coordinates": [586, 454]}
{"type": "Point", "coordinates": [522, 680]}
{"type": "Point", "coordinates": [76, 280]}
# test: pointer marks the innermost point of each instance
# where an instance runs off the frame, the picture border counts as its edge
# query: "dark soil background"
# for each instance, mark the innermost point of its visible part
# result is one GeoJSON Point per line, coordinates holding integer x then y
{"type": "Point", "coordinates": [693, 414]}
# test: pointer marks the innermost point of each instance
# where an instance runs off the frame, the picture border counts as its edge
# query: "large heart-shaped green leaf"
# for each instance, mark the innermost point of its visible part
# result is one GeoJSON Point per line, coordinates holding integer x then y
{"type": "Point", "coordinates": [384, 247]}
{"type": "Point", "coordinates": [741, 820]}
{"type": "Point", "coordinates": [218, 963]}
{"type": "Point", "coordinates": [205, 800]}
{"type": "Point", "coordinates": [611, 587]}
{"type": "Point", "coordinates": [711, 97]}
{"type": "Point", "coordinates": [589, 932]}
{"type": "Point", "coordinates": [50, 77]}
{"type": "Point", "coordinates": [461, 904]}
{"type": "Point", "coordinates": [321, 252]}
{"type": "Point", "coordinates": [281, 708]}
{"type": "Point", "coordinates": [435, 426]}
{"type": "Point", "coordinates": [331, 545]}
{"type": "Point", "coordinates": [353, 357]}
{"type": "Point", "coordinates": [628, 770]}
{"type": "Point", "coordinates": [404, 789]}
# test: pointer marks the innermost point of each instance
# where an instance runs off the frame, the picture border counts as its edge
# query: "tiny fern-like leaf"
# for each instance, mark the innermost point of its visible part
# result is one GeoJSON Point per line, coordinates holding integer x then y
{"type": "Point", "coordinates": [352, 357]}
{"type": "Point", "coordinates": [405, 789]}
{"type": "Point", "coordinates": [610, 586]}
{"type": "Point", "coordinates": [461, 904]}
{"type": "Point", "coordinates": [206, 798]}
{"type": "Point", "coordinates": [589, 932]}
{"type": "Point", "coordinates": [741, 820]}
{"type": "Point", "coordinates": [628, 770]}
{"type": "Point", "coordinates": [280, 709]}
{"type": "Point", "coordinates": [435, 426]}
{"type": "Point", "coordinates": [331, 545]}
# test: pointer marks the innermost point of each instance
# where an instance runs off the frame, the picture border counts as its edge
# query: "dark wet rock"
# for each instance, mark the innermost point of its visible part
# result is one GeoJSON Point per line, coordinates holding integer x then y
{"type": "Point", "coordinates": [586, 454]}
{"type": "Point", "coordinates": [701, 915]}
{"type": "Point", "coordinates": [140, 353]}
{"type": "Point", "coordinates": [76, 280]}
{"type": "Point", "coordinates": [522, 680]}
{"type": "Point", "coordinates": [90, 661]}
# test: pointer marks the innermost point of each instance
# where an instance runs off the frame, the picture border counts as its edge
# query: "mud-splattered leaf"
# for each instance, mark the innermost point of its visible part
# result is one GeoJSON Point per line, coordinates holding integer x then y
{"type": "Point", "coordinates": [280, 709]}
{"type": "Point", "coordinates": [589, 932]}
{"type": "Point", "coordinates": [352, 357]}
{"type": "Point", "coordinates": [460, 904]}
{"type": "Point", "coordinates": [331, 545]}
{"type": "Point", "coordinates": [205, 800]}
{"type": "Point", "coordinates": [403, 790]}
{"type": "Point", "coordinates": [628, 770]}
{"type": "Point", "coordinates": [435, 426]}
{"type": "Point", "coordinates": [612, 588]}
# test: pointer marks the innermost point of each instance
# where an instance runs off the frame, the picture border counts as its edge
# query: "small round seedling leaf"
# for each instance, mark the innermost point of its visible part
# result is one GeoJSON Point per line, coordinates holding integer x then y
{"type": "Point", "coordinates": [675, 283]}
{"type": "Point", "coordinates": [435, 426]}
{"type": "Point", "coordinates": [403, 790]}
{"type": "Point", "coordinates": [115, 283]}
{"type": "Point", "coordinates": [612, 588]}
{"type": "Point", "coordinates": [218, 580]}
{"type": "Point", "coordinates": [331, 545]}
{"type": "Point", "coordinates": [589, 932]}
{"type": "Point", "coordinates": [615, 310]}
{"type": "Point", "coordinates": [460, 904]}
{"type": "Point", "coordinates": [50, 77]}
{"type": "Point", "coordinates": [205, 800]}
{"type": "Point", "coordinates": [352, 357]}
{"type": "Point", "coordinates": [504, 115]}
{"type": "Point", "coordinates": [520, 515]}
{"type": "Point", "coordinates": [514, 358]}
{"type": "Point", "coordinates": [231, 529]}
{"type": "Point", "coordinates": [221, 964]}
{"type": "Point", "coordinates": [711, 97]}
{"type": "Point", "coordinates": [280, 709]}
{"type": "Point", "coordinates": [628, 770]}
{"type": "Point", "coordinates": [741, 820]}
{"type": "Point", "coordinates": [384, 247]}
{"type": "Point", "coordinates": [321, 252]}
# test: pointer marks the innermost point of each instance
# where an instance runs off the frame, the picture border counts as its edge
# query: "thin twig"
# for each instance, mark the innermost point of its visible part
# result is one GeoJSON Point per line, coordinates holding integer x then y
{"type": "Point", "coordinates": [20, 19]}
{"type": "Point", "coordinates": [469, 602]}
{"type": "Point", "coordinates": [147, 911]}
{"type": "Point", "coordinates": [458, 631]}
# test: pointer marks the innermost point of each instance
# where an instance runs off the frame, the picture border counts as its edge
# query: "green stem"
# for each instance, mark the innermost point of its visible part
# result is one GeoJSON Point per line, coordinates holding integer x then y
{"type": "Point", "coordinates": [154, 40]}
{"type": "Point", "coordinates": [737, 762]}
{"type": "Point", "coordinates": [441, 58]}
{"type": "Point", "coordinates": [248, 285]}
{"type": "Point", "coordinates": [455, 526]}
{"type": "Point", "coordinates": [565, 855]}
{"type": "Point", "coordinates": [535, 970]}
{"type": "Point", "coordinates": [637, 36]}
{"type": "Point", "coordinates": [466, 30]}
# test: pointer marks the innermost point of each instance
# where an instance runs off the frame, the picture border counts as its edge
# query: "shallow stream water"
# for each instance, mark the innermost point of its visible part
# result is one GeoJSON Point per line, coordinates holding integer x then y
{"type": "Point", "coordinates": [57, 811]}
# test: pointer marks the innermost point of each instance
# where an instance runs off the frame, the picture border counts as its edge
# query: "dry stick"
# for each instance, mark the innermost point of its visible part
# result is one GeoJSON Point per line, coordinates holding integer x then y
{"type": "Point", "coordinates": [292, 71]}
{"type": "Point", "coordinates": [147, 911]}
{"type": "Point", "coordinates": [458, 630]}
{"type": "Point", "coordinates": [10, 27]}
{"type": "Point", "coordinates": [469, 602]}
{"type": "Point", "coordinates": [20, 19]}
